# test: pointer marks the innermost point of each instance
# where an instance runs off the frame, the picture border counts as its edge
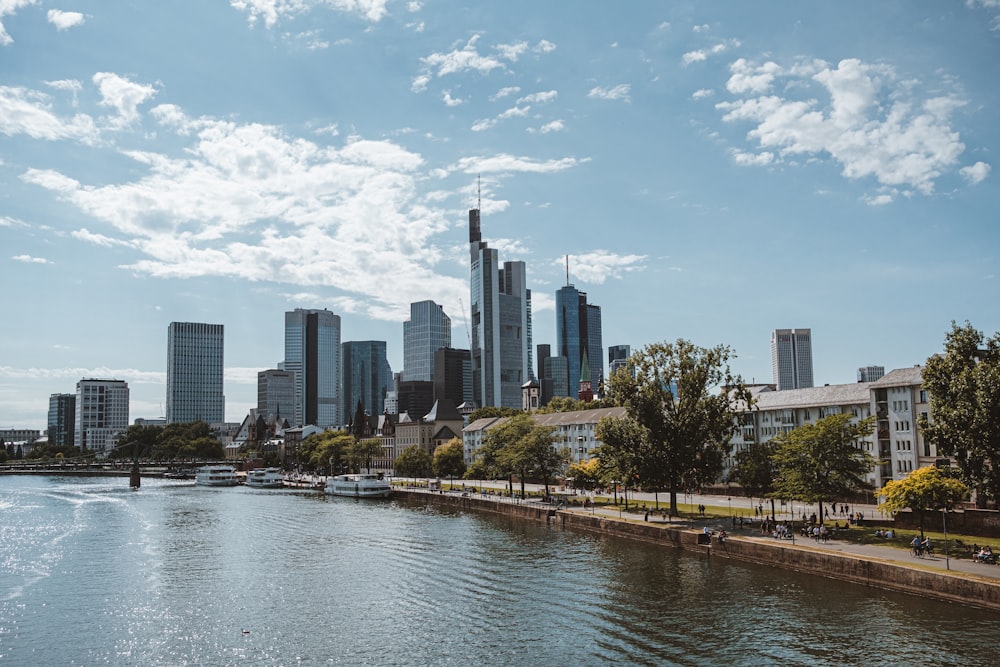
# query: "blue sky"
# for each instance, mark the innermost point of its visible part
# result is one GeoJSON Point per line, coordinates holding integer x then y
{"type": "Point", "coordinates": [713, 170]}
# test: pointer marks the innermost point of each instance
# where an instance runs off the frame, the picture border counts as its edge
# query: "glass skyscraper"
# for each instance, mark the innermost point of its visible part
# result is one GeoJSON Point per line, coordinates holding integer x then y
{"type": "Point", "coordinates": [427, 331]}
{"type": "Point", "coordinates": [367, 377]}
{"type": "Point", "coordinates": [62, 419]}
{"type": "Point", "coordinates": [791, 358]}
{"type": "Point", "coordinates": [501, 324]}
{"type": "Point", "coordinates": [312, 352]}
{"type": "Point", "coordinates": [195, 367]}
{"type": "Point", "coordinates": [578, 328]}
{"type": "Point", "coordinates": [276, 394]}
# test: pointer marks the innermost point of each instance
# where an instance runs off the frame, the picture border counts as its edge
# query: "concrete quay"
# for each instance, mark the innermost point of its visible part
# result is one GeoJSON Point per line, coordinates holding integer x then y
{"type": "Point", "coordinates": [960, 581]}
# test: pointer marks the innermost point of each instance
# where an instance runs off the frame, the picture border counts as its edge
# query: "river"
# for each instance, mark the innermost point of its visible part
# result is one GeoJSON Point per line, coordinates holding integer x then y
{"type": "Point", "coordinates": [93, 573]}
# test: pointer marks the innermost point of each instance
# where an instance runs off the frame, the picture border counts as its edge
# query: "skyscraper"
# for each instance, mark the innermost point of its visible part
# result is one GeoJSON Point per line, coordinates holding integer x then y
{"type": "Point", "coordinates": [618, 357]}
{"type": "Point", "coordinates": [276, 394]}
{"type": "Point", "coordinates": [427, 331]}
{"type": "Point", "coordinates": [578, 330]}
{"type": "Point", "coordinates": [312, 352]}
{"type": "Point", "coordinates": [791, 358]}
{"type": "Point", "coordinates": [62, 419]}
{"type": "Point", "coordinates": [452, 376]}
{"type": "Point", "coordinates": [194, 373]}
{"type": "Point", "coordinates": [367, 377]}
{"type": "Point", "coordinates": [870, 373]}
{"type": "Point", "coordinates": [101, 414]}
{"type": "Point", "coordinates": [501, 324]}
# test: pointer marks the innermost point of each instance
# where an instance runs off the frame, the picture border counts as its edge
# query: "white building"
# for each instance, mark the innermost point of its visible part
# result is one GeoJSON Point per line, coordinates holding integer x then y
{"type": "Point", "coordinates": [574, 430]}
{"type": "Point", "coordinates": [101, 414]}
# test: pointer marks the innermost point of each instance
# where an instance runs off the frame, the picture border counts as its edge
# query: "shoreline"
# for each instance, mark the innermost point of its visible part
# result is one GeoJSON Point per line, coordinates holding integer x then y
{"type": "Point", "coordinates": [870, 571]}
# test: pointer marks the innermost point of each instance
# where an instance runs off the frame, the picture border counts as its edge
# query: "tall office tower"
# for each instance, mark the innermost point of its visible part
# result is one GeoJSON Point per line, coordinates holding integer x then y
{"type": "Point", "coordinates": [367, 377]}
{"type": "Point", "coordinates": [453, 376]}
{"type": "Point", "coordinates": [578, 330]}
{"type": "Point", "coordinates": [312, 353]}
{"type": "Point", "coordinates": [427, 331]}
{"type": "Point", "coordinates": [544, 351]}
{"type": "Point", "coordinates": [276, 394]}
{"type": "Point", "coordinates": [618, 358]}
{"type": "Point", "coordinates": [194, 373]}
{"type": "Point", "coordinates": [101, 414]}
{"type": "Point", "coordinates": [557, 370]}
{"type": "Point", "coordinates": [62, 419]}
{"type": "Point", "coordinates": [870, 373]}
{"type": "Point", "coordinates": [501, 324]}
{"type": "Point", "coordinates": [791, 358]}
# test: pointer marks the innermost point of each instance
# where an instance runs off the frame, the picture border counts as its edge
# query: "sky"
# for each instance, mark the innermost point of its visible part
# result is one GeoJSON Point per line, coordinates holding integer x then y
{"type": "Point", "coordinates": [711, 170]}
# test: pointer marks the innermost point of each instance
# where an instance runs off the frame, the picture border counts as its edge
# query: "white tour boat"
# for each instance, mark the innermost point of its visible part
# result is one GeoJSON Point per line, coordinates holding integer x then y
{"type": "Point", "coordinates": [216, 476]}
{"type": "Point", "coordinates": [265, 478]}
{"type": "Point", "coordinates": [364, 485]}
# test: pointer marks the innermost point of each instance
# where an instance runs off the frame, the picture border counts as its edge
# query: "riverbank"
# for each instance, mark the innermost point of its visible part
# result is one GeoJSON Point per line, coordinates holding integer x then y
{"type": "Point", "coordinates": [873, 566]}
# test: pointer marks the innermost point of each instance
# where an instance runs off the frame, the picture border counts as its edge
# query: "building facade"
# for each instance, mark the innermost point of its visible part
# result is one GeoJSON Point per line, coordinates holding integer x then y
{"type": "Point", "coordinates": [101, 414]}
{"type": "Point", "coordinates": [500, 312]}
{"type": "Point", "coordinates": [313, 354]}
{"type": "Point", "coordinates": [62, 419]}
{"type": "Point", "coordinates": [870, 373]}
{"type": "Point", "coordinates": [367, 377]}
{"type": "Point", "coordinates": [578, 336]}
{"type": "Point", "coordinates": [791, 358]}
{"type": "Point", "coordinates": [276, 394]}
{"type": "Point", "coordinates": [195, 365]}
{"type": "Point", "coordinates": [618, 358]}
{"type": "Point", "coordinates": [427, 331]}
{"type": "Point", "coordinates": [453, 375]}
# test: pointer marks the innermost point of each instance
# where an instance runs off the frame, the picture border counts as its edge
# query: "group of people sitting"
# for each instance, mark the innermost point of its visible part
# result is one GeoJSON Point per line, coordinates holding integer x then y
{"type": "Point", "coordinates": [983, 554]}
{"type": "Point", "coordinates": [886, 534]}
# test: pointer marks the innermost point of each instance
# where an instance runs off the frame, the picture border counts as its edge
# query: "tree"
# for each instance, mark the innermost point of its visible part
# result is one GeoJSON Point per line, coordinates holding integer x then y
{"type": "Point", "coordinates": [925, 489]}
{"type": "Point", "coordinates": [585, 474]}
{"type": "Point", "coordinates": [756, 472]}
{"type": "Point", "coordinates": [325, 451]}
{"type": "Point", "coordinates": [964, 388]}
{"type": "Point", "coordinates": [624, 442]}
{"type": "Point", "coordinates": [501, 444]}
{"type": "Point", "coordinates": [675, 393]}
{"type": "Point", "coordinates": [449, 459]}
{"type": "Point", "coordinates": [413, 462]}
{"type": "Point", "coordinates": [534, 454]}
{"type": "Point", "coordinates": [359, 454]}
{"type": "Point", "coordinates": [823, 461]}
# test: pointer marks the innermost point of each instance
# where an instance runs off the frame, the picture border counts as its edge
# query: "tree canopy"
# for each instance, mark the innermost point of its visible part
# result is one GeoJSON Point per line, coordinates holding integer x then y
{"type": "Point", "coordinates": [189, 440]}
{"type": "Point", "coordinates": [925, 489]}
{"type": "Point", "coordinates": [679, 400]}
{"type": "Point", "coordinates": [413, 462]}
{"type": "Point", "coordinates": [964, 389]}
{"type": "Point", "coordinates": [822, 461]}
{"type": "Point", "coordinates": [519, 446]}
{"type": "Point", "coordinates": [325, 451]}
{"type": "Point", "coordinates": [449, 459]}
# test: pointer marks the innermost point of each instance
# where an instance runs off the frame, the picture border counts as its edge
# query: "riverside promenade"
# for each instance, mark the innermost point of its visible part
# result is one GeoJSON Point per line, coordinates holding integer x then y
{"type": "Point", "coordinates": [957, 580]}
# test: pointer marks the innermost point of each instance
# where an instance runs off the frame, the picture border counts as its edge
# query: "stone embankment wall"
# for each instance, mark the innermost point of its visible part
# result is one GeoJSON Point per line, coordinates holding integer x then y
{"type": "Point", "coordinates": [844, 567]}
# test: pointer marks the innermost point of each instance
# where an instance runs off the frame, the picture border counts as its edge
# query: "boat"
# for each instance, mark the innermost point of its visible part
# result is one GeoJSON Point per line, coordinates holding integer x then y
{"type": "Point", "coordinates": [265, 478]}
{"type": "Point", "coordinates": [216, 476]}
{"type": "Point", "coordinates": [363, 485]}
{"type": "Point", "coordinates": [178, 474]}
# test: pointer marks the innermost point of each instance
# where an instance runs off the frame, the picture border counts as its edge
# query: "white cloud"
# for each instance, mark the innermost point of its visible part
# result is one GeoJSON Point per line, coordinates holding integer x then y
{"type": "Point", "coordinates": [700, 28]}
{"type": "Point", "coordinates": [28, 259]}
{"type": "Point", "coordinates": [702, 93]}
{"type": "Point", "coordinates": [122, 95]}
{"type": "Point", "coordinates": [976, 173]}
{"type": "Point", "coordinates": [509, 163]}
{"type": "Point", "coordinates": [702, 54]}
{"type": "Point", "coordinates": [29, 112]}
{"type": "Point", "coordinates": [459, 60]}
{"type": "Point", "coordinates": [619, 92]}
{"type": "Point", "coordinates": [504, 92]}
{"type": "Point", "coordinates": [272, 11]}
{"type": "Point", "coordinates": [512, 51]}
{"type": "Point", "coordinates": [870, 123]}
{"type": "Point", "coordinates": [553, 126]}
{"type": "Point", "coordinates": [752, 159]}
{"type": "Point", "coordinates": [414, 6]}
{"type": "Point", "coordinates": [96, 239]}
{"type": "Point", "coordinates": [544, 46]}
{"type": "Point", "coordinates": [64, 20]}
{"type": "Point", "coordinates": [449, 100]}
{"type": "Point", "coordinates": [598, 266]}
{"type": "Point", "coordinates": [8, 8]}
{"type": "Point", "coordinates": [539, 98]}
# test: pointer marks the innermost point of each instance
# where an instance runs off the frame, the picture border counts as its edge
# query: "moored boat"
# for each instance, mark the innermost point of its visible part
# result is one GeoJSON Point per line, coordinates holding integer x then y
{"type": "Point", "coordinates": [265, 478]}
{"type": "Point", "coordinates": [363, 485]}
{"type": "Point", "coordinates": [216, 476]}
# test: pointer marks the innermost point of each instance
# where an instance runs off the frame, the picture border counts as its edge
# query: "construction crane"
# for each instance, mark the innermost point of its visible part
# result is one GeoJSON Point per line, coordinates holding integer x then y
{"type": "Point", "coordinates": [465, 321]}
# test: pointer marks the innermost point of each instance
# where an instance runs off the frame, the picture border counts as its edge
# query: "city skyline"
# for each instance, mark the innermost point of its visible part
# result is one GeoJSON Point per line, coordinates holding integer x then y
{"type": "Point", "coordinates": [712, 171]}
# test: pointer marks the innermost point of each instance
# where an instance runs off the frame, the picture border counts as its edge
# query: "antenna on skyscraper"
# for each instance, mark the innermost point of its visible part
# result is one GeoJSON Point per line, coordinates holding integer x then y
{"type": "Point", "coordinates": [479, 192]}
{"type": "Point", "coordinates": [567, 269]}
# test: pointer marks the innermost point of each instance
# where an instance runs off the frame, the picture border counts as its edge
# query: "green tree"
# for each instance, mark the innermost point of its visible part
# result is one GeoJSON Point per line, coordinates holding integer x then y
{"type": "Point", "coordinates": [359, 454]}
{"type": "Point", "coordinates": [501, 446]}
{"type": "Point", "coordinates": [145, 438]}
{"type": "Point", "coordinates": [756, 471]}
{"type": "Point", "coordinates": [325, 451]}
{"type": "Point", "coordinates": [624, 450]}
{"type": "Point", "coordinates": [413, 462]}
{"type": "Point", "coordinates": [585, 474]}
{"type": "Point", "coordinates": [823, 461]}
{"type": "Point", "coordinates": [926, 489]}
{"type": "Point", "coordinates": [682, 397]}
{"type": "Point", "coordinates": [535, 455]}
{"type": "Point", "coordinates": [449, 459]}
{"type": "Point", "coordinates": [964, 388]}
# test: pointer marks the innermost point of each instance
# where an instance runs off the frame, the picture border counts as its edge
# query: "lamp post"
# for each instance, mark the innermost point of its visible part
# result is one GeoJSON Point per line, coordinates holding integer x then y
{"type": "Point", "coordinates": [944, 523]}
